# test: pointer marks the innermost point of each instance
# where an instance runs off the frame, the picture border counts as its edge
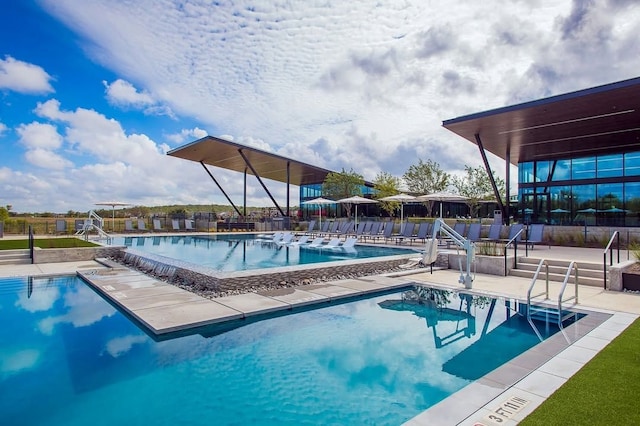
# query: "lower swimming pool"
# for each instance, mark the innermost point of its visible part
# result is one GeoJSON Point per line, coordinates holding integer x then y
{"type": "Point", "coordinates": [230, 253]}
{"type": "Point", "coordinates": [67, 357]}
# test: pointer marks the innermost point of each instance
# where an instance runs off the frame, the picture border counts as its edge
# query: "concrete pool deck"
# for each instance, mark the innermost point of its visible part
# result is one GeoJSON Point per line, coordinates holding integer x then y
{"type": "Point", "coordinates": [504, 396]}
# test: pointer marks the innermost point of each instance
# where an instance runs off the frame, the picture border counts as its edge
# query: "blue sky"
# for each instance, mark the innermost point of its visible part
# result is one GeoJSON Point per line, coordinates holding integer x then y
{"type": "Point", "coordinates": [94, 93]}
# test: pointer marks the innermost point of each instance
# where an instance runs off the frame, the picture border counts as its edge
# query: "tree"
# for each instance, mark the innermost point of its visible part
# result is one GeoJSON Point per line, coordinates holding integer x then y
{"type": "Point", "coordinates": [426, 178]}
{"type": "Point", "coordinates": [4, 214]}
{"type": "Point", "coordinates": [386, 185]}
{"type": "Point", "coordinates": [342, 185]}
{"type": "Point", "coordinates": [476, 186]}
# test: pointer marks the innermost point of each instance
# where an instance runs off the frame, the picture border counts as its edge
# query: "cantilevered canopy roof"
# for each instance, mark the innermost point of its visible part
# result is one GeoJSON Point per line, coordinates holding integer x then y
{"type": "Point", "coordinates": [229, 155]}
{"type": "Point", "coordinates": [603, 119]}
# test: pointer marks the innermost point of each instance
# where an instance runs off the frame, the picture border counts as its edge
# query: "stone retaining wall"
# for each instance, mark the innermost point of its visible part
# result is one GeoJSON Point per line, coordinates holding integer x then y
{"type": "Point", "coordinates": [53, 255]}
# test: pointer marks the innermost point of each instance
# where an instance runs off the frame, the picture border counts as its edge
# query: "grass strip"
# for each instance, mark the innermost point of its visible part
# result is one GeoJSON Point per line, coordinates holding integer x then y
{"type": "Point", "coordinates": [604, 392]}
{"type": "Point", "coordinates": [45, 243]}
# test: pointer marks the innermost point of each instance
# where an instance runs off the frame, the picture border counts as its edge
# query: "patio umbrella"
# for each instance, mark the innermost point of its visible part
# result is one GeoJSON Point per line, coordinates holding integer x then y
{"type": "Point", "coordinates": [320, 202]}
{"type": "Point", "coordinates": [356, 199]}
{"type": "Point", "coordinates": [442, 196]}
{"type": "Point", "coordinates": [589, 210]}
{"type": "Point", "coordinates": [113, 205]}
{"type": "Point", "coordinates": [559, 211]}
{"type": "Point", "coordinates": [401, 198]}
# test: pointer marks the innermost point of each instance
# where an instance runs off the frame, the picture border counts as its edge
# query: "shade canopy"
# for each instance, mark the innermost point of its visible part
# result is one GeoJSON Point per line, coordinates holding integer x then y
{"type": "Point", "coordinates": [113, 205]}
{"type": "Point", "coordinates": [401, 198]}
{"type": "Point", "coordinates": [356, 199]}
{"type": "Point", "coordinates": [442, 196]}
{"type": "Point", "coordinates": [319, 202]}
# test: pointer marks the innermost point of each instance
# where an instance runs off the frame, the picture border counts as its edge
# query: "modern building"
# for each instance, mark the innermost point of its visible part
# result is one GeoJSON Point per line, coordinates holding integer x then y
{"type": "Point", "coordinates": [578, 154]}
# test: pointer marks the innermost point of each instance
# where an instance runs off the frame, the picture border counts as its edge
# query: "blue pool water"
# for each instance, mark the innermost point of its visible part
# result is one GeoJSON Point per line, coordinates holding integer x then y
{"type": "Point", "coordinates": [69, 358]}
{"type": "Point", "coordinates": [231, 253]}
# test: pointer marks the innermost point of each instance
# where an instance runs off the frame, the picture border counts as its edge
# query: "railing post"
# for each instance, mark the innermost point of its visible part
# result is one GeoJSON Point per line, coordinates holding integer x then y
{"type": "Point", "coordinates": [31, 243]}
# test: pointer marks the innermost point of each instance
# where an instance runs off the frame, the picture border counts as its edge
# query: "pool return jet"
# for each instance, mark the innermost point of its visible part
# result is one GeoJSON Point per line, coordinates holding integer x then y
{"type": "Point", "coordinates": [431, 250]}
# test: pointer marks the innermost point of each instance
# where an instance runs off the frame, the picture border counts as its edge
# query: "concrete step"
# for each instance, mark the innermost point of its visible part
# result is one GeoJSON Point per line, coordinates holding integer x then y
{"type": "Point", "coordinates": [561, 263]}
{"type": "Point", "coordinates": [562, 270]}
{"type": "Point", "coordinates": [582, 280]}
{"type": "Point", "coordinates": [15, 257]}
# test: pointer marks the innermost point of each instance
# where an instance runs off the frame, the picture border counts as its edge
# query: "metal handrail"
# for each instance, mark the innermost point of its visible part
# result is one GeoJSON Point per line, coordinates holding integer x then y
{"type": "Point", "coordinates": [572, 266]}
{"type": "Point", "coordinates": [515, 250]}
{"type": "Point", "coordinates": [535, 278]}
{"type": "Point", "coordinates": [609, 248]}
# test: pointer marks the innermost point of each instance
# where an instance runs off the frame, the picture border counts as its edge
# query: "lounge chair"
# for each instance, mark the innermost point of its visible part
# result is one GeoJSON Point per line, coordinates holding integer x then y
{"type": "Point", "coordinates": [286, 239]}
{"type": "Point", "coordinates": [142, 226]}
{"type": "Point", "coordinates": [460, 227]}
{"type": "Point", "coordinates": [374, 231]}
{"type": "Point", "coordinates": [407, 233]}
{"type": "Point", "coordinates": [317, 242]}
{"type": "Point", "coordinates": [348, 244]}
{"type": "Point", "coordinates": [333, 242]}
{"type": "Point", "coordinates": [325, 228]}
{"type": "Point", "coordinates": [188, 225]}
{"type": "Point", "coordinates": [494, 232]}
{"type": "Point", "coordinates": [423, 232]}
{"type": "Point", "coordinates": [304, 239]}
{"type": "Point", "coordinates": [128, 225]}
{"type": "Point", "coordinates": [515, 230]}
{"type": "Point", "coordinates": [360, 229]}
{"type": "Point", "coordinates": [473, 234]}
{"type": "Point", "coordinates": [535, 234]}
{"type": "Point", "coordinates": [175, 223]}
{"type": "Point", "coordinates": [312, 224]}
{"type": "Point", "coordinates": [387, 233]}
{"type": "Point", "coordinates": [157, 225]}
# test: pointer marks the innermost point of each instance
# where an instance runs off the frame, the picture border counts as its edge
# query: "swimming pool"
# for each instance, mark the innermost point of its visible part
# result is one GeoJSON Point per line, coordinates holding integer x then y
{"type": "Point", "coordinates": [69, 358]}
{"type": "Point", "coordinates": [230, 253]}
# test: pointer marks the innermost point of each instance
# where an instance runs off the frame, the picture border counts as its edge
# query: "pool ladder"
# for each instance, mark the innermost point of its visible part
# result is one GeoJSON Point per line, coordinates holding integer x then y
{"type": "Point", "coordinates": [545, 311]}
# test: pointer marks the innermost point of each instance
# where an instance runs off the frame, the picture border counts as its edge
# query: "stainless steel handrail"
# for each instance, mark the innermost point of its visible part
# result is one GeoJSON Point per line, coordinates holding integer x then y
{"type": "Point", "coordinates": [572, 266]}
{"type": "Point", "coordinates": [609, 248]}
{"type": "Point", "coordinates": [515, 250]}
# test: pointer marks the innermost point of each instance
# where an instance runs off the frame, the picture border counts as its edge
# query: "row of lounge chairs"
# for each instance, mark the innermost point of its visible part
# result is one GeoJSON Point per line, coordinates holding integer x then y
{"type": "Point", "coordinates": [287, 239]}
{"type": "Point", "coordinates": [411, 232]}
{"type": "Point", "coordinates": [157, 225]}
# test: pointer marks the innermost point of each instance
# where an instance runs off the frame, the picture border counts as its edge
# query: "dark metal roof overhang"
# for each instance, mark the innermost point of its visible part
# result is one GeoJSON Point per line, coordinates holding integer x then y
{"type": "Point", "coordinates": [596, 121]}
{"type": "Point", "coordinates": [600, 120]}
{"type": "Point", "coordinates": [229, 155]}
{"type": "Point", "coordinates": [226, 154]}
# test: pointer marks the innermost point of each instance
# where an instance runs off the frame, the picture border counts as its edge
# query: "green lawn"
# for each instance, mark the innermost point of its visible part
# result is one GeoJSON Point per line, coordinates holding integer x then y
{"type": "Point", "coordinates": [45, 243]}
{"type": "Point", "coordinates": [606, 391]}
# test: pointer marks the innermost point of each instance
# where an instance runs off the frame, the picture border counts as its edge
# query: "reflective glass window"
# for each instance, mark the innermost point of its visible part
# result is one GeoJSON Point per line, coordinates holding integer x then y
{"type": "Point", "coordinates": [561, 170]}
{"type": "Point", "coordinates": [609, 165]}
{"type": "Point", "coordinates": [583, 168]}
{"type": "Point", "coordinates": [632, 203]}
{"type": "Point", "coordinates": [632, 164]}
{"type": "Point", "coordinates": [525, 172]}
{"type": "Point", "coordinates": [542, 171]}
{"type": "Point", "coordinates": [610, 197]}
{"type": "Point", "coordinates": [584, 204]}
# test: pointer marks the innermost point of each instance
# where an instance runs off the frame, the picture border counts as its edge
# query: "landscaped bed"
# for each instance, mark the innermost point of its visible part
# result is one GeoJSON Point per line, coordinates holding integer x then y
{"type": "Point", "coordinates": [45, 243]}
{"type": "Point", "coordinates": [603, 392]}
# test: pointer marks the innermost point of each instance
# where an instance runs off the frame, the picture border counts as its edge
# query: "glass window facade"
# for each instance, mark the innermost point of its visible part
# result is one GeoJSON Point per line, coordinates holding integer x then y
{"type": "Point", "coordinates": [595, 190]}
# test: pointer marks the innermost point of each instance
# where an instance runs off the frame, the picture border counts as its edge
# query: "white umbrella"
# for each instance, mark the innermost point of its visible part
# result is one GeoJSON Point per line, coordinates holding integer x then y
{"type": "Point", "coordinates": [401, 198]}
{"type": "Point", "coordinates": [320, 202]}
{"type": "Point", "coordinates": [356, 199]}
{"type": "Point", "coordinates": [559, 211]}
{"type": "Point", "coordinates": [113, 205]}
{"type": "Point", "coordinates": [442, 196]}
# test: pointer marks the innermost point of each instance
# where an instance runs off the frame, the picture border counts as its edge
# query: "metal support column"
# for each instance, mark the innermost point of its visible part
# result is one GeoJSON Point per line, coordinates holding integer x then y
{"type": "Point", "coordinates": [507, 184]}
{"type": "Point", "coordinates": [248, 163]}
{"type": "Point", "coordinates": [288, 189]}
{"type": "Point", "coordinates": [244, 210]}
{"type": "Point", "coordinates": [224, 193]}
{"type": "Point", "coordinates": [491, 179]}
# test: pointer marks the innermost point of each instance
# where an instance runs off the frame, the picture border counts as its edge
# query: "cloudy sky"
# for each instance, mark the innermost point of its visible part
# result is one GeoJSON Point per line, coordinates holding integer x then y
{"type": "Point", "coordinates": [93, 93]}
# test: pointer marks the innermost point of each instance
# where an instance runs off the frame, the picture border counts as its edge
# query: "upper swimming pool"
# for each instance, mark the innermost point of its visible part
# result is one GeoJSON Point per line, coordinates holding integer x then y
{"type": "Point", "coordinates": [67, 357]}
{"type": "Point", "coordinates": [230, 253]}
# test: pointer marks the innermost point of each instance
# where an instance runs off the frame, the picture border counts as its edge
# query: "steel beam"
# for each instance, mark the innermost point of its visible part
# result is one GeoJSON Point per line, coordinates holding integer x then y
{"type": "Point", "coordinates": [491, 179]}
{"type": "Point", "coordinates": [255, 173]}
{"type": "Point", "coordinates": [225, 194]}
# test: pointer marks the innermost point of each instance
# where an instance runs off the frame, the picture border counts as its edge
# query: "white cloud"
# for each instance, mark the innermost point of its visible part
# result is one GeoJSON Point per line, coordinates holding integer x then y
{"type": "Point", "coordinates": [18, 361]}
{"type": "Point", "coordinates": [123, 94]}
{"type": "Point", "coordinates": [336, 84]}
{"type": "Point", "coordinates": [121, 345]}
{"type": "Point", "coordinates": [186, 134]}
{"type": "Point", "coordinates": [3, 128]}
{"type": "Point", "coordinates": [47, 159]}
{"type": "Point", "coordinates": [23, 77]}
{"type": "Point", "coordinates": [39, 135]}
